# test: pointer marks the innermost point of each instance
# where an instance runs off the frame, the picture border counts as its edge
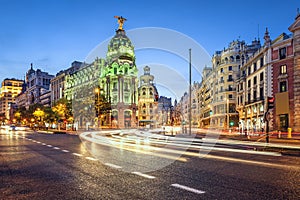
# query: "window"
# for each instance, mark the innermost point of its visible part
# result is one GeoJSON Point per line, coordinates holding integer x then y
{"type": "Point", "coordinates": [244, 73]}
{"type": "Point", "coordinates": [254, 67]}
{"type": "Point", "coordinates": [254, 95]}
{"type": "Point", "coordinates": [230, 88]}
{"type": "Point", "coordinates": [249, 70]}
{"type": "Point", "coordinates": [230, 68]}
{"type": "Point", "coordinates": [261, 76]}
{"type": "Point", "coordinates": [254, 80]}
{"type": "Point", "coordinates": [283, 69]}
{"type": "Point", "coordinates": [261, 93]}
{"type": "Point", "coordinates": [241, 86]}
{"type": "Point", "coordinates": [230, 96]}
{"type": "Point", "coordinates": [261, 62]}
{"type": "Point", "coordinates": [249, 96]}
{"type": "Point", "coordinates": [241, 99]}
{"type": "Point", "coordinates": [221, 70]}
{"type": "Point", "coordinates": [249, 83]}
{"type": "Point", "coordinates": [230, 78]}
{"type": "Point", "coordinates": [282, 86]}
{"type": "Point", "coordinates": [282, 53]}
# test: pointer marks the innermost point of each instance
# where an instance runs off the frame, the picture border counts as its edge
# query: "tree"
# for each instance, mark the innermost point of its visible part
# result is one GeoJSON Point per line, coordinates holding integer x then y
{"type": "Point", "coordinates": [62, 109]}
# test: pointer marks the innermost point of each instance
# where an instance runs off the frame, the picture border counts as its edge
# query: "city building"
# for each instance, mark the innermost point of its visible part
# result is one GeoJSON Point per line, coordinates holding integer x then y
{"type": "Point", "coordinates": [147, 100]}
{"type": "Point", "coordinates": [113, 80]}
{"type": "Point", "coordinates": [206, 97]}
{"type": "Point", "coordinates": [295, 29]}
{"type": "Point", "coordinates": [119, 81]}
{"type": "Point", "coordinates": [254, 85]}
{"type": "Point", "coordinates": [165, 111]}
{"type": "Point", "coordinates": [226, 66]}
{"type": "Point", "coordinates": [58, 82]}
{"type": "Point", "coordinates": [283, 82]}
{"type": "Point", "coordinates": [37, 82]}
{"type": "Point", "coordinates": [10, 89]}
{"type": "Point", "coordinates": [80, 88]}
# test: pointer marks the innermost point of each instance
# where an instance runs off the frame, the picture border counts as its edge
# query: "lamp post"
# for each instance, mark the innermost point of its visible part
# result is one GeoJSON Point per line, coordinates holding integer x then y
{"type": "Point", "coordinates": [97, 91]}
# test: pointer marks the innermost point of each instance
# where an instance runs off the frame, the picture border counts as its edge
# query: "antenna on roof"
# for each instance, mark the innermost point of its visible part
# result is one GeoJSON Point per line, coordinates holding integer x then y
{"type": "Point", "coordinates": [258, 32]}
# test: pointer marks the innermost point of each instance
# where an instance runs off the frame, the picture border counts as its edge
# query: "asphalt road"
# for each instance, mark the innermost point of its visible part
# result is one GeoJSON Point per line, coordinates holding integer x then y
{"type": "Point", "coordinates": [61, 166]}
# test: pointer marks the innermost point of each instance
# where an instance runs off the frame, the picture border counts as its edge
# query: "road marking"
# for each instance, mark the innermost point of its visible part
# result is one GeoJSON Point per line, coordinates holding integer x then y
{"type": "Point", "coordinates": [49, 145]}
{"type": "Point", "coordinates": [77, 154]}
{"type": "Point", "coordinates": [38, 142]}
{"type": "Point", "coordinates": [66, 151]}
{"type": "Point", "coordinates": [90, 158]}
{"type": "Point", "coordinates": [113, 166]}
{"type": "Point", "coordinates": [143, 175]}
{"type": "Point", "coordinates": [56, 148]}
{"type": "Point", "coordinates": [188, 188]}
{"type": "Point", "coordinates": [44, 144]}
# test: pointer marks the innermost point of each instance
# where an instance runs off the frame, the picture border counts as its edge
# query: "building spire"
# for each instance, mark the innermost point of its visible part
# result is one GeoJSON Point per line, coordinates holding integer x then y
{"type": "Point", "coordinates": [31, 66]}
{"type": "Point", "coordinates": [267, 37]}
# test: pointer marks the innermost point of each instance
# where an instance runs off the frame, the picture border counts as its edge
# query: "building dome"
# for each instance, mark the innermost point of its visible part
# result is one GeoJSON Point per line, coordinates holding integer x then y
{"type": "Point", "coordinates": [120, 47]}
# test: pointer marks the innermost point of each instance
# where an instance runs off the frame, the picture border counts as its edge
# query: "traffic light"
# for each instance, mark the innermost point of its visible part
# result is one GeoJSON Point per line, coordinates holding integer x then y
{"type": "Point", "coordinates": [271, 101]}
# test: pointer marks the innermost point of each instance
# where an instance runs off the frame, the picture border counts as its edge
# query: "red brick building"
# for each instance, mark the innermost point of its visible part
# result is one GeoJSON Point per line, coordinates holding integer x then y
{"type": "Point", "coordinates": [283, 81]}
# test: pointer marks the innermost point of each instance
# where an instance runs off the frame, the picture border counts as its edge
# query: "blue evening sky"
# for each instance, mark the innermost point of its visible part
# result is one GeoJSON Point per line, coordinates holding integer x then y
{"type": "Point", "coordinates": [53, 33]}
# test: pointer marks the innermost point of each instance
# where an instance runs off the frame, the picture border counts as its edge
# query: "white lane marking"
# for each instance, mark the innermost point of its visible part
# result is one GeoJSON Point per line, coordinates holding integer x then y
{"type": "Point", "coordinates": [188, 188]}
{"type": "Point", "coordinates": [66, 151]}
{"type": "Point", "coordinates": [56, 148]}
{"type": "Point", "coordinates": [143, 175]}
{"type": "Point", "coordinates": [38, 142]}
{"type": "Point", "coordinates": [44, 144]}
{"type": "Point", "coordinates": [49, 145]}
{"type": "Point", "coordinates": [90, 158]}
{"type": "Point", "coordinates": [77, 154]}
{"type": "Point", "coordinates": [113, 165]}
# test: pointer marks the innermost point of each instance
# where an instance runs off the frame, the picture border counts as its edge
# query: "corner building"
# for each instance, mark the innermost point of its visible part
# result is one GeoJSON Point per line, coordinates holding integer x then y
{"type": "Point", "coordinates": [115, 79]}
{"type": "Point", "coordinates": [119, 82]}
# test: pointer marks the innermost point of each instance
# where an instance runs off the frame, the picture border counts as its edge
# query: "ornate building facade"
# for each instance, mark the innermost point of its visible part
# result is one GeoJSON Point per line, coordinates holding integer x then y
{"type": "Point", "coordinates": [254, 86]}
{"type": "Point", "coordinates": [147, 100]}
{"type": "Point", "coordinates": [38, 83]}
{"type": "Point", "coordinates": [113, 80]}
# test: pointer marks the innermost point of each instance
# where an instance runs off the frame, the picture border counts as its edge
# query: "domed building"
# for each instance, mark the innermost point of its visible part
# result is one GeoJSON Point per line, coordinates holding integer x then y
{"type": "Point", "coordinates": [119, 81]}
{"type": "Point", "coordinates": [105, 92]}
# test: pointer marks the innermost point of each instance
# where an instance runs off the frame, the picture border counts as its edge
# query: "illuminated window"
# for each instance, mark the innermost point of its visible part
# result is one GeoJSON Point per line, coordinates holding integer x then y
{"type": "Point", "coordinates": [282, 86]}
{"type": "Point", "coordinates": [283, 69]}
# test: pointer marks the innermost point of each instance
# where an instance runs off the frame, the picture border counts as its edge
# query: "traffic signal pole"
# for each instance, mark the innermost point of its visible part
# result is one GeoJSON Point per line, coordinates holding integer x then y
{"type": "Point", "coordinates": [270, 105]}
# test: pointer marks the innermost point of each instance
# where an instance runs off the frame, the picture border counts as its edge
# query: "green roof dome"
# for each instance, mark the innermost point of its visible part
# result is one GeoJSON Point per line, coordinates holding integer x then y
{"type": "Point", "coordinates": [120, 47]}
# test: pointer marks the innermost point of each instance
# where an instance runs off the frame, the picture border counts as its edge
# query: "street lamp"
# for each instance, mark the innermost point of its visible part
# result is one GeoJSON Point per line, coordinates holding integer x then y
{"type": "Point", "coordinates": [97, 91]}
